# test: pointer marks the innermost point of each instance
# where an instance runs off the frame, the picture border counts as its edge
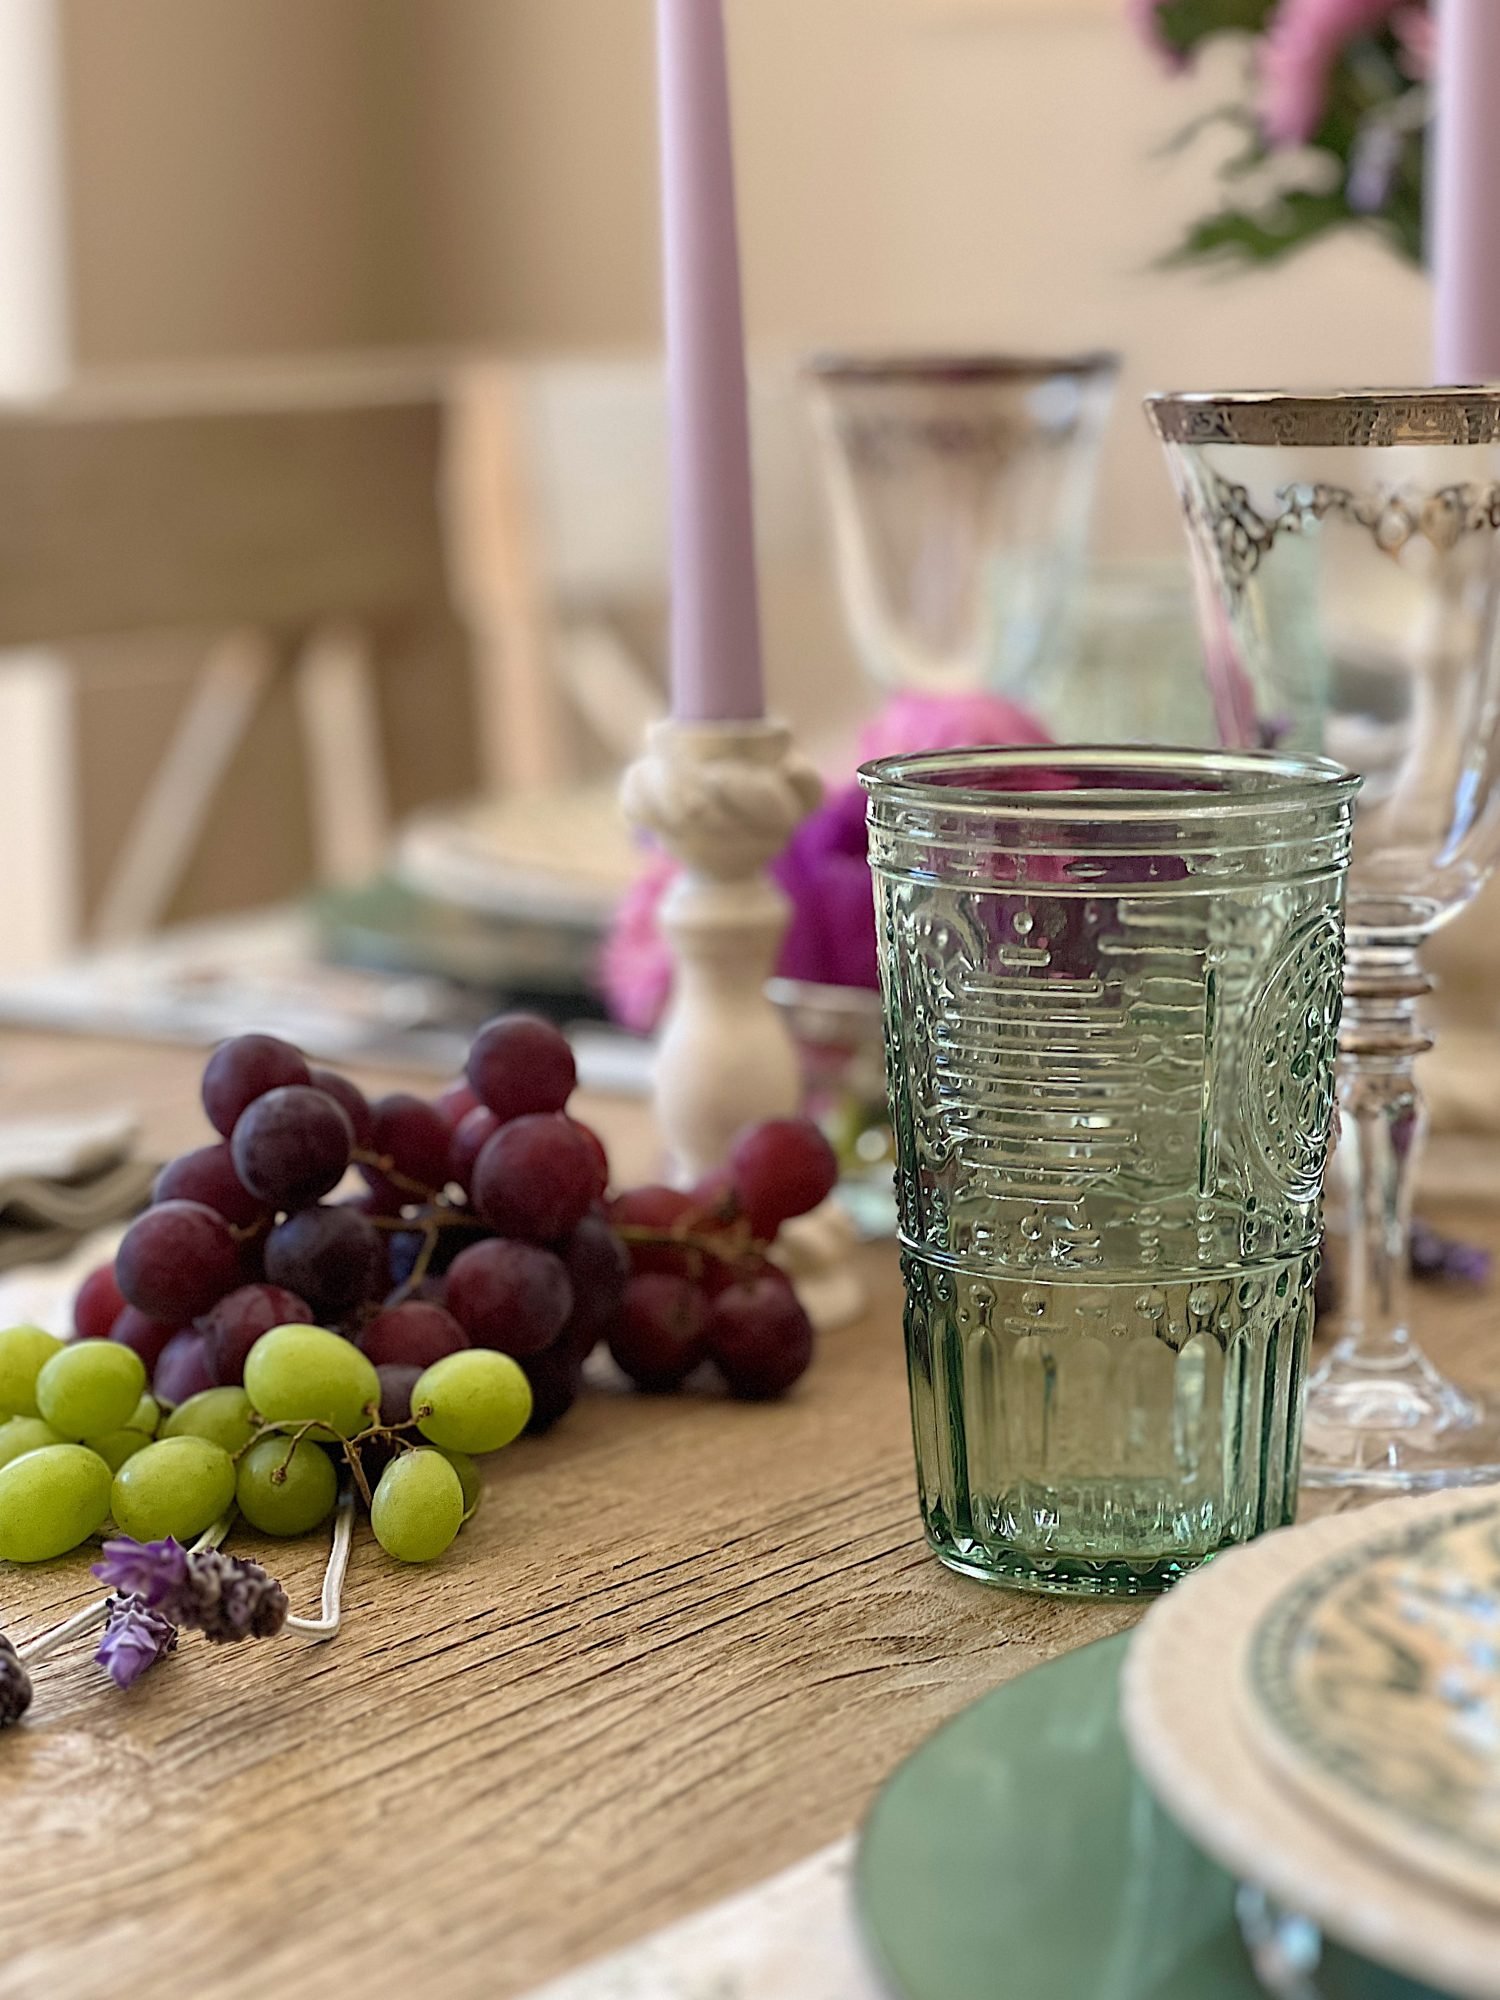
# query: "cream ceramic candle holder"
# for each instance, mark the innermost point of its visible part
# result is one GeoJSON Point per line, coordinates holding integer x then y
{"type": "Point", "coordinates": [724, 799]}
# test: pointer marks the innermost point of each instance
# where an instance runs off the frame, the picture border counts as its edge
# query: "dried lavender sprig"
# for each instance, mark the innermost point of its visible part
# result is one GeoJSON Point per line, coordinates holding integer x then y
{"type": "Point", "coordinates": [15, 1685]}
{"type": "Point", "coordinates": [94, 1615]}
{"type": "Point", "coordinates": [136, 1638]}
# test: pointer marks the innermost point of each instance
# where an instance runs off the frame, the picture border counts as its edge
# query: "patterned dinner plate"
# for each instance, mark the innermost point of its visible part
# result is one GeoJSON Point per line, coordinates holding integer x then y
{"type": "Point", "coordinates": [1315, 1710]}
{"type": "Point", "coordinates": [1374, 1683]}
{"type": "Point", "coordinates": [1017, 1856]}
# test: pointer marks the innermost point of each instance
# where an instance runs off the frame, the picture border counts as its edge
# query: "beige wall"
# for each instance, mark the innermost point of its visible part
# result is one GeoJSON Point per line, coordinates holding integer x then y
{"type": "Point", "coordinates": [271, 174]}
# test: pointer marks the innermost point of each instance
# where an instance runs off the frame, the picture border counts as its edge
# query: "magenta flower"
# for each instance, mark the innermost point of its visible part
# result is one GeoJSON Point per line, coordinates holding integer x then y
{"type": "Point", "coordinates": [1298, 56]}
{"type": "Point", "coordinates": [135, 1638]}
{"type": "Point", "coordinates": [830, 940]}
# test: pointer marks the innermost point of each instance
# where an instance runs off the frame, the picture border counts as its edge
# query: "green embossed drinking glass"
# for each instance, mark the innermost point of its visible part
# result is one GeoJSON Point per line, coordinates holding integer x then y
{"type": "Point", "coordinates": [1112, 986]}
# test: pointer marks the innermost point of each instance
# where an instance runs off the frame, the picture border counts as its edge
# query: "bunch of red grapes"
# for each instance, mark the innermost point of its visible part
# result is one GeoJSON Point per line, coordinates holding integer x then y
{"type": "Point", "coordinates": [484, 1220]}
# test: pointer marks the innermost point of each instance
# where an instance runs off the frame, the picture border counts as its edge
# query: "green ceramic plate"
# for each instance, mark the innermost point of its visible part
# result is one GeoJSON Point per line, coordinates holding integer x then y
{"type": "Point", "coordinates": [1017, 1856]}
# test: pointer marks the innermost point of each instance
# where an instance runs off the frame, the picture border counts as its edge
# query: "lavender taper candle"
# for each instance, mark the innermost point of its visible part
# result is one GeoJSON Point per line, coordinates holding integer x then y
{"type": "Point", "coordinates": [716, 649]}
{"type": "Point", "coordinates": [1465, 192]}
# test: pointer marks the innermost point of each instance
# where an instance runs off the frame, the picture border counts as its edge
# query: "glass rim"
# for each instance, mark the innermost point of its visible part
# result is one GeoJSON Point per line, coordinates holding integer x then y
{"type": "Point", "coordinates": [1295, 780]}
{"type": "Point", "coordinates": [947, 370]}
{"type": "Point", "coordinates": [1462, 414]}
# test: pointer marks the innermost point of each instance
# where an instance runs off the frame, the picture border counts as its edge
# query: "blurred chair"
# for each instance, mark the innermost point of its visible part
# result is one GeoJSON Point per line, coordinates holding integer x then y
{"type": "Point", "coordinates": [385, 584]}
{"type": "Point", "coordinates": [292, 520]}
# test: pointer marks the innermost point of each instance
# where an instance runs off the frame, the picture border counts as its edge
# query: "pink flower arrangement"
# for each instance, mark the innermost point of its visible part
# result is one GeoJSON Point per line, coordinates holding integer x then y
{"type": "Point", "coordinates": [1347, 79]}
{"type": "Point", "coordinates": [830, 940]}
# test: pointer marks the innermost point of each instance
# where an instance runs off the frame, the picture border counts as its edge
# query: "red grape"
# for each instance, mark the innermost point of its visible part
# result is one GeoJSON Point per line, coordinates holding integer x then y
{"type": "Point", "coordinates": [556, 1378]}
{"type": "Point", "coordinates": [412, 1335]}
{"type": "Point", "coordinates": [240, 1071]}
{"type": "Point", "coordinates": [599, 1266]}
{"type": "Point", "coordinates": [781, 1169]}
{"type": "Point", "coordinates": [351, 1097]}
{"type": "Point", "coordinates": [760, 1337]}
{"type": "Point", "coordinates": [520, 1065]}
{"type": "Point", "coordinates": [397, 1380]}
{"type": "Point", "coordinates": [469, 1141]}
{"type": "Point", "coordinates": [510, 1296]}
{"type": "Point", "coordinates": [595, 1145]}
{"type": "Point", "coordinates": [236, 1323]}
{"type": "Point", "coordinates": [659, 1340]}
{"type": "Point", "coordinates": [454, 1104]}
{"type": "Point", "coordinates": [717, 1200]}
{"type": "Point", "coordinates": [664, 1210]}
{"type": "Point", "coordinates": [177, 1260]}
{"type": "Point", "coordinates": [183, 1369]}
{"type": "Point", "coordinates": [292, 1146]}
{"type": "Point", "coordinates": [411, 1134]}
{"type": "Point", "coordinates": [147, 1337]}
{"type": "Point", "coordinates": [97, 1304]}
{"type": "Point", "coordinates": [331, 1256]}
{"type": "Point", "coordinates": [208, 1176]}
{"type": "Point", "coordinates": [535, 1178]}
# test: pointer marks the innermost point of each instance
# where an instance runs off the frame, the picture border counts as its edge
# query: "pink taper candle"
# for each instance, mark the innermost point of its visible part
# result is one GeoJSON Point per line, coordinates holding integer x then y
{"type": "Point", "coordinates": [1465, 197]}
{"type": "Point", "coordinates": [716, 657]}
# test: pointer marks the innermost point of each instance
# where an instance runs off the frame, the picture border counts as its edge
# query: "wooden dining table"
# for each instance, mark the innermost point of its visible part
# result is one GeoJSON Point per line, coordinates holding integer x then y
{"type": "Point", "coordinates": [679, 1648]}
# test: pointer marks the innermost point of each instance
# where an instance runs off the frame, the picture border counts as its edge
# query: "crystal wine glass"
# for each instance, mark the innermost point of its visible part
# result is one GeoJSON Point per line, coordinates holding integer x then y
{"type": "Point", "coordinates": [1347, 553]}
{"type": "Point", "coordinates": [961, 489]}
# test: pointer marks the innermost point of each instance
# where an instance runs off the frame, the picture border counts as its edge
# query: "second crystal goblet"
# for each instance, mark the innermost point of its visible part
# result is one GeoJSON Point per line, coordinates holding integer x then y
{"type": "Point", "coordinates": [1347, 550]}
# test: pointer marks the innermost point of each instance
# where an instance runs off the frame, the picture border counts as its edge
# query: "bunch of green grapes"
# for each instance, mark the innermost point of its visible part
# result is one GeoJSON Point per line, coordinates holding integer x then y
{"type": "Point", "coordinates": [83, 1442]}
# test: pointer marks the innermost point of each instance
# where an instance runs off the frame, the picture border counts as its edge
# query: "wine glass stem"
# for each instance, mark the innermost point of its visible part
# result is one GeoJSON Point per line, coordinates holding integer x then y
{"type": "Point", "coordinates": [1384, 1124]}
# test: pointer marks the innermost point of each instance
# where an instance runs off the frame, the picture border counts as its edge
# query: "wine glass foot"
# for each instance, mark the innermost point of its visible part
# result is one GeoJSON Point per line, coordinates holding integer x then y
{"type": "Point", "coordinates": [1400, 1427]}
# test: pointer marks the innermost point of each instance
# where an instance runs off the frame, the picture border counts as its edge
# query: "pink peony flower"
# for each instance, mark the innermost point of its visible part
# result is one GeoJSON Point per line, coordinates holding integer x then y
{"type": "Point", "coordinates": [1416, 30]}
{"type": "Point", "coordinates": [831, 938]}
{"type": "Point", "coordinates": [1301, 47]}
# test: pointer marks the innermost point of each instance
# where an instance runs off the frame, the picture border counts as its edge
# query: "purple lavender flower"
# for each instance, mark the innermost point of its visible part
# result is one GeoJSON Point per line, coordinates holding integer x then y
{"type": "Point", "coordinates": [1437, 1256]}
{"type": "Point", "coordinates": [218, 1595]}
{"type": "Point", "coordinates": [154, 1572]}
{"type": "Point", "coordinates": [228, 1600]}
{"type": "Point", "coordinates": [135, 1639]}
{"type": "Point", "coordinates": [15, 1685]}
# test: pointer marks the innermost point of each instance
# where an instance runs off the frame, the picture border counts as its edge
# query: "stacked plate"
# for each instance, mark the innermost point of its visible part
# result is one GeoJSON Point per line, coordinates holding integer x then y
{"type": "Point", "coordinates": [1287, 1780]}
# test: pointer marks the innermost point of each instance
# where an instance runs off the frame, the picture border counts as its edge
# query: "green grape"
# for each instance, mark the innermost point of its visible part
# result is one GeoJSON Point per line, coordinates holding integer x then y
{"type": "Point", "coordinates": [304, 1375]}
{"type": "Point", "coordinates": [116, 1446]}
{"type": "Point", "coordinates": [286, 1491]}
{"type": "Point", "coordinates": [146, 1416]}
{"type": "Point", "coordinates": [475, 1401]}
{"type": "Point", "coordinates": [470, 1478]}
{"type": "Point", "coordinates": [50, 1501]}
{"type": "Point", "coordinates": [91, 1388]}
{"type": "Point", "coordinates": [178, 1486]}
{"type": "Point", "coordinates": [223, 1416]}
{"type": "Point", "coordinates": [418, 1506]}
{"type": "Point", "coordinates": [24, 1434]}
{"type": "Point", "coordinates": [24, 1352]}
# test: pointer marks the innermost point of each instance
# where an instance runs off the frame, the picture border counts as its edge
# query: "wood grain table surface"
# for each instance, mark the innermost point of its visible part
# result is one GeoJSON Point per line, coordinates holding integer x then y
{"type": "Point", "coordinates": [678, 1649]}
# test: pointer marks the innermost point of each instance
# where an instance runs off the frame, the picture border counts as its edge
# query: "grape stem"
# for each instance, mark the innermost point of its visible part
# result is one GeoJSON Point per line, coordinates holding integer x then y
{"type": "Point", "coordinates": [736, 1249]}
{"type": "Point", "coordinates": [93, 1615]}
{"type": "Point", "coordinates": [331, 1613]}
{"type": "Point", "coordinates": [386, 1167]}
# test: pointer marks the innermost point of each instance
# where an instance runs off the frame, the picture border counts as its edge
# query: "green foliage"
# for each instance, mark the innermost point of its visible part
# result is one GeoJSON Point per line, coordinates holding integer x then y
{"type": "Point", "coordinates": [1185, 25]}
{"type": "Point", "coordinates": [1373, 109]}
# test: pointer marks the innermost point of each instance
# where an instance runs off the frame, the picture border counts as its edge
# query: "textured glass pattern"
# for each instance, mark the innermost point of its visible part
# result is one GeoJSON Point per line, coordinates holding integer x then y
{"type": "Point", "coordinates": [1112, 991]}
